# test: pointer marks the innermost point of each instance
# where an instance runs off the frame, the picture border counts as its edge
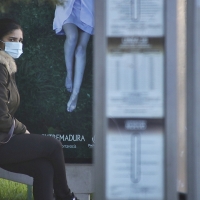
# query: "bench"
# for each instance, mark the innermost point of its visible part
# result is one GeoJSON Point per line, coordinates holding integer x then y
{"type": "Point", "coordinates": [79, 177]}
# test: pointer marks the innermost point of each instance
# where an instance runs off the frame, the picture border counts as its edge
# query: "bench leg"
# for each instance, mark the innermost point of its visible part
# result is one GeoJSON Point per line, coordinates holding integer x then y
{"type": "Point", "coordinates": [29, 192]}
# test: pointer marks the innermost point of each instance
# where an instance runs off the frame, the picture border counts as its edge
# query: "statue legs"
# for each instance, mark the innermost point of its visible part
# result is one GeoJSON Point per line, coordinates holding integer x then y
{"type": "Point", "coordinates": [75, 56]}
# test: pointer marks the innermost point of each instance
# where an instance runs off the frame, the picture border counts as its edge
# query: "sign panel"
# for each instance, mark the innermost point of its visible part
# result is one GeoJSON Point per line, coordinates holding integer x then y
{"type": "Point", "coordinates": [135, 18]}
{"type": "Point", "coordinates": [134, 78]}
{"type": "Point", "coordinates": [134, 160]}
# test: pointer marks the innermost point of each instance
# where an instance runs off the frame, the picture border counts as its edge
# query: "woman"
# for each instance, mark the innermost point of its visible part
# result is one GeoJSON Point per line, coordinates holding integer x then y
{"type": "Point", "coordinates": [75, 19]}
{"type": "Point", "coordinates": [35, 155]}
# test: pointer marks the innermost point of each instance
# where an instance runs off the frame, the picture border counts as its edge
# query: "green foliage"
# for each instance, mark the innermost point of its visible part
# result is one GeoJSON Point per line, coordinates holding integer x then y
{"type": "Point", "coordinates": [41, 78]}
{"type": "Point", "coordinates": [12, 191]}
{"type": "Point", "coordinates": [6, 4]}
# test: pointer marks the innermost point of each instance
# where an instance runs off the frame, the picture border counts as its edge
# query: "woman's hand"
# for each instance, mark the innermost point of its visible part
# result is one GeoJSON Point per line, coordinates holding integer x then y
{"type": "Point", "coordinates": [27, 132]}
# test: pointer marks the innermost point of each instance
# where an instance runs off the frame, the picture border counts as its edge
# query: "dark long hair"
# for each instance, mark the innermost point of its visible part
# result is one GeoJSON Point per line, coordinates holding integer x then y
{"type": "Point", "coordinates": [7, 26]}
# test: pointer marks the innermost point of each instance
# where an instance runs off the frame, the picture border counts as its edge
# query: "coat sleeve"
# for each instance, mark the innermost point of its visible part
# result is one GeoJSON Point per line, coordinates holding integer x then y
{"type": "Point", "coordinates": [6, 119]}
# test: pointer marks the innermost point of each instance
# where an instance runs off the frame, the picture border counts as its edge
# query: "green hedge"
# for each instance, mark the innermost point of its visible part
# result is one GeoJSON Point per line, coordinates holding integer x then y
{"type": "Point", "coordinates": [12, 191]}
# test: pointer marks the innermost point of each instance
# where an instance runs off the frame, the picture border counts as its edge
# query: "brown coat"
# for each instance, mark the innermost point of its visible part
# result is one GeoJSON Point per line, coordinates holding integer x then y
{"type": "Point", "coordinates": [9, 97]}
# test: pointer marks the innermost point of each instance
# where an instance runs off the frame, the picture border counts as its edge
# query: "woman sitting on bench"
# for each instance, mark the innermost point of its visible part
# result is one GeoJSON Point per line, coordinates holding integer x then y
{"type": "Point", "coordinates": [21, 152]}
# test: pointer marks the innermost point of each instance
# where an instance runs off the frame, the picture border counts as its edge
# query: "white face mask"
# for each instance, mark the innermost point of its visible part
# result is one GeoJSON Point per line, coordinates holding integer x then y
{"type": "Point", "coordinates": [14, 49]}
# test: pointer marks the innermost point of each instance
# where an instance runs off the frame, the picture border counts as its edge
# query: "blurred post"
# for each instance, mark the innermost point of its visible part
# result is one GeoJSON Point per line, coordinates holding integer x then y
{"type": "Point", "coordinates": [181, 78]}
{"type": "Point", "coordinates": [193, 99]}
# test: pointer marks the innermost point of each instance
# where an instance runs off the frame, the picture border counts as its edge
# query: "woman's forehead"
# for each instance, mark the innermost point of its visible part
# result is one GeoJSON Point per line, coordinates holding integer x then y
{"type": "Point", "coordinates": [17, 33]}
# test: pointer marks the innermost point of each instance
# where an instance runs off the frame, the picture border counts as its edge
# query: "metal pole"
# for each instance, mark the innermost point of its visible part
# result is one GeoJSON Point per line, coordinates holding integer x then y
{"type": "Point", "coordinates": [193, 99]}
{"type": "Point", "coordinates": [99, 100]}
{"type": "Point", "coordinates": [171, 99]}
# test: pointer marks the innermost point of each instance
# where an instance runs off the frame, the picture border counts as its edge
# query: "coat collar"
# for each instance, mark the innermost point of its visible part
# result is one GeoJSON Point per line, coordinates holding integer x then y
{"type": "Point", "coordinates": [8, 61]}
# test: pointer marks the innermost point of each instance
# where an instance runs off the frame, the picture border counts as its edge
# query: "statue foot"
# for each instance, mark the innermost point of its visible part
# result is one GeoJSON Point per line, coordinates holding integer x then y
{"type": "Point", "coordinates": [71, 105]}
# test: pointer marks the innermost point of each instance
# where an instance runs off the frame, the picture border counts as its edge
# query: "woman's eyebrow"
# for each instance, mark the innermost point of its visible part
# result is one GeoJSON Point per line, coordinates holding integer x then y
{"type": "Point", "coordinates": [15, 38]}
{"type": "Point", "coordinates": [12, 38]}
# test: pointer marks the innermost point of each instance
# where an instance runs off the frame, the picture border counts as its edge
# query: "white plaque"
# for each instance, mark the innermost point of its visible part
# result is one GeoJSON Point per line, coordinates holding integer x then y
{"type": "Point", "coordinates": [135, 18]}
{"type": "Point", "coordinates": [134, 165]}
{"type": "Point", "coordinates": [134, 84]}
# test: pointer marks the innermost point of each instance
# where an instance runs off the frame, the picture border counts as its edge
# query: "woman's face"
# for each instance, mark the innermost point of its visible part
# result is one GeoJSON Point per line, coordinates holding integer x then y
{"type": "Point", "coordinates": [14, 36]}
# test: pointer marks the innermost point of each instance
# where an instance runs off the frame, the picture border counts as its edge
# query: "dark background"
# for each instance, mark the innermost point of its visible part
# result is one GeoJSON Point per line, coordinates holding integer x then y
{"type": "Point", "coordinates": [41, 81]}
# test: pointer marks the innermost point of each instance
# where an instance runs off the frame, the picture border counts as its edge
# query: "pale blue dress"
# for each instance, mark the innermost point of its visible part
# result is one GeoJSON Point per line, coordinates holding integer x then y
{"type": "Point", "coordinates": [78, 12]}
